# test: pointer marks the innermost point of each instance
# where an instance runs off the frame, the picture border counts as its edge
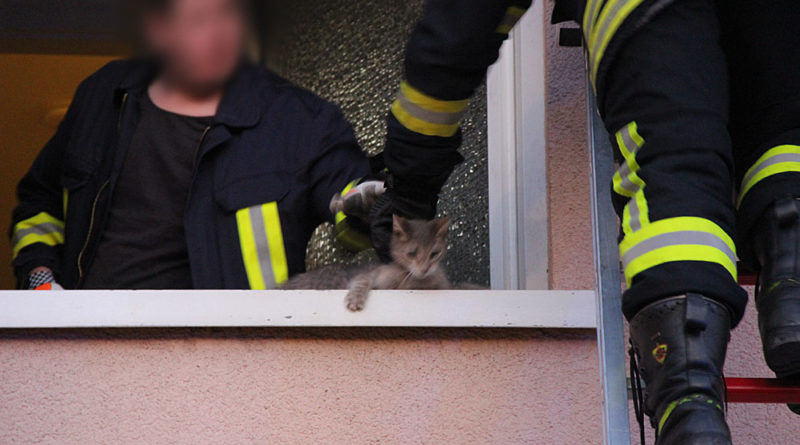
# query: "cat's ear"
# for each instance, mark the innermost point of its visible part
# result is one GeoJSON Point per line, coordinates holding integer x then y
{"type": "Point", "coordinates": [442, 226]}
{"type": "Point", "coordinates": [399, 226]}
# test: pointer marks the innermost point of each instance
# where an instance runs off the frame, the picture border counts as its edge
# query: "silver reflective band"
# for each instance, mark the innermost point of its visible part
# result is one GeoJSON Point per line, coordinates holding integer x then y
{"type": "Point", "coordinates": [262, 246]}
{"type": "Point", "coordinates": [625, 179]}
{"type": "Point", "coordinates": [433, 117]}
{"type": "Point", "coordinates": [777, 159]}
{"type": "Point", "coordinates": [38, 229]}
{"type": "Point", "coordinates": [633, 209]}
{"type": "Point", "coordinates": [627, 139]}
{"type": "Point", "coordinates": [681, 238]}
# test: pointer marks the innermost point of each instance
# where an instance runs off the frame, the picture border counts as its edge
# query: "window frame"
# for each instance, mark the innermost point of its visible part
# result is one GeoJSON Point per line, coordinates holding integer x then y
{"type": "Point", "coordinates": [518, 247]}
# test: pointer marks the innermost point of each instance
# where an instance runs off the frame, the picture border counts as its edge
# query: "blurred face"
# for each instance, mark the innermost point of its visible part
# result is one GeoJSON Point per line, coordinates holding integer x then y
{"type": "Point", "coordinates": [200, 41]}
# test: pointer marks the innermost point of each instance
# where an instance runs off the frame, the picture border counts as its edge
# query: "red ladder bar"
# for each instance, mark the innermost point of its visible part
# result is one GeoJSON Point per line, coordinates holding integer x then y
{"type": "Point", "coordinates": [756, 390]}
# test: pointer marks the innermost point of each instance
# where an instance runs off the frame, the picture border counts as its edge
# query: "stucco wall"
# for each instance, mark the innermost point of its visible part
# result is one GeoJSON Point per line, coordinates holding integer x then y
{"type": "Point", "coordinates": [351, 386]}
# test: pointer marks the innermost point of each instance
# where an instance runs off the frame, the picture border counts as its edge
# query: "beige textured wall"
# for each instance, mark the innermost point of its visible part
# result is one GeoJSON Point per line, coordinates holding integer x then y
{"type": "Point", "coordinates": [351, 386]}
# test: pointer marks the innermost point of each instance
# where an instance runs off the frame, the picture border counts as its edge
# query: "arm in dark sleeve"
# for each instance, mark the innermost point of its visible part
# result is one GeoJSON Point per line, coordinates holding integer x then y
{"type": "Point", "coordinates": [447, 57]}
{"type": "Point", "coordinates": [338, 167]}
{"type": "Point", "coordinates": [37, 226]}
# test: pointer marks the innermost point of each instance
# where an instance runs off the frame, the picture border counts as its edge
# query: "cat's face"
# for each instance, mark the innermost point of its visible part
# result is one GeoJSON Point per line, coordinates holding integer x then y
{"type": "Point", "coordinates": [418, 246]}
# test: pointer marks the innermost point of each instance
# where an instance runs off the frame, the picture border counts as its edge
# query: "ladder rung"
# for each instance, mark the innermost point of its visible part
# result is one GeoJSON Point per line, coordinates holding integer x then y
{"type": "Point", "coordinates": [752, 390]}
{"type": "Point", "coordinates": [758, 390]}
{"type": "Point", "coordinates": [747, 279]}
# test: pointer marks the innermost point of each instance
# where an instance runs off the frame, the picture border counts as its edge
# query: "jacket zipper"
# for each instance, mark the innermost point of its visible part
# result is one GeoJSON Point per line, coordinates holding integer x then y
{"type": "Point", "coordinates": [97, 197]}
{"type": "Point", "coordinates": [196, 162]}
{"type": "Point", "coordinates": [91, 229]}
{"type": "Point", "coordinates": [200, 145]}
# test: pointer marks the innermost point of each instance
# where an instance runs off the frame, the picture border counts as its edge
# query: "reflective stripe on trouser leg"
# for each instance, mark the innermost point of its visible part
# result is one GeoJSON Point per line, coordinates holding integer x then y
{"type": "Point", "coordinates": [42, 228]}
{"type": "Point", "coordinates": [685, 238]}
{"type": "Point", "coordinates": [261, 241]}
{"type": "Point", "coordinates": [600, 23]}
{"type": "Point", "coordinates": [777, 160]}
{"type": "Point", "coordinates": [427, 115]}
{"type": "Point", "coordinates": [513, 14]}
{"type": "Point", "coordinates": [627, 182]}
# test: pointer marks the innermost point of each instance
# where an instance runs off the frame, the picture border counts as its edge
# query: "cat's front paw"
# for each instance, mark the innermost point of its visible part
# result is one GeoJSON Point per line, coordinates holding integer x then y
{"type": "Point", "coordinates": [355, 303]}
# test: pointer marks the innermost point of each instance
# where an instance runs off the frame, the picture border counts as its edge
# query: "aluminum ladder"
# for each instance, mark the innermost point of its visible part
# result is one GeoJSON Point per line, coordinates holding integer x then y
{"type": "Point", "coordinates": [611, 345]}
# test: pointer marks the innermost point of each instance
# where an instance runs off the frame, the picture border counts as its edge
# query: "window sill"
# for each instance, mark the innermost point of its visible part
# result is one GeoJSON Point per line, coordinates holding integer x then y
{"type": "Point", "coordinates": [146, 309]}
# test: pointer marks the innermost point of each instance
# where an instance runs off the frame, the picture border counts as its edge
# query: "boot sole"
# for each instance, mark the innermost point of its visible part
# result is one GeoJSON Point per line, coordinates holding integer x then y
{"type": "Point", "coordinates": [783, 356]}
{"type": "Point", "coordinates": [782, 351]}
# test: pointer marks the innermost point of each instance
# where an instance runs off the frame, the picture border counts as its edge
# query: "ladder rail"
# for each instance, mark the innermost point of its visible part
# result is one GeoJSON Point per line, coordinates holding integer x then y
{"type": "Point", "coordinates": [608, 288]}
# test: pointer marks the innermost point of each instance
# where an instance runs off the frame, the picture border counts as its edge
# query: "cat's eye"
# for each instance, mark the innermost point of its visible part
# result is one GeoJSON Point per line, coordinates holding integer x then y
{"type": "Point", "coordinates": [435, 253]}
{"type": "Point", "coordinates": [412, 253]}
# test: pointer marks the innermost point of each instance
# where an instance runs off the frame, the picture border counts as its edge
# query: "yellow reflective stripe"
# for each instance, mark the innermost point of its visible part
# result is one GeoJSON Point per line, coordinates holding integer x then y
{"type": "Point", "coordinates": [777, 160]}
{"type": "Point", "coordinates": [351, 239]}
{"type": "Point", "coordinates": [627, 182]}
{"type": "Point", "coordinates": [685, 238]}
{"type": "Point", "coordinates": [41, 228]}
{"type": "Point", "coordinates": [340, 216]}
{"type": "Point", "coordinates": [513, 14]}
{"type": "Point", "coordinates": [590, 16]}
{"type": "Point", "coordinates": [674, 404]}
{"type": "Point", "coordinates": [636, 213]}
{"type": "Point", "coordinates": [601, 32]}
{"type": "Point", "coordinates": [261, 242]}
{"type": "Point", "coordinates": [426, 115]}
{"type": "Point", "coordinates": [247, 243]}
{"type": "Point", "coordinates": [430, 103]}
{"type": "Point", "coordinates": [277, 251]}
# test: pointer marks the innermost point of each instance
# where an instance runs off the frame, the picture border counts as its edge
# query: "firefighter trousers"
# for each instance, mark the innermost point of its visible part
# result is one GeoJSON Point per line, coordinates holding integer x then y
{"type": "Point", "coordinates": [703, 108]}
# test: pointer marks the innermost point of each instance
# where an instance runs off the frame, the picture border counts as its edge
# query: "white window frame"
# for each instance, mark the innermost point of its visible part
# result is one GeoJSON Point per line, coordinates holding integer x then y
{"type": "Point", "coordinates": [518, 210]}
{"type": "Point", "coordinates": [231, 308]}
{"type": "Point", "coordinates": [518, 248]}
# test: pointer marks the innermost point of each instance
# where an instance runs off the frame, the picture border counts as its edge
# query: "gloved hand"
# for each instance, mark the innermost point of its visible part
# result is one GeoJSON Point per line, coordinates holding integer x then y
{"type": "Point", "coordinates": [351, 212]}
{"type": "Point", "coordinates": [43, 279]}
{"type": "Point", "coordinates": [359, 200]}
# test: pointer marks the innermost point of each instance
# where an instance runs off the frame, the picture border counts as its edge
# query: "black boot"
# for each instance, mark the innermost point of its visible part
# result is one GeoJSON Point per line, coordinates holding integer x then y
{"type": "Point", "coordinates": [776, 244]}
{"type": "Point", "coordinates": [680, 346]}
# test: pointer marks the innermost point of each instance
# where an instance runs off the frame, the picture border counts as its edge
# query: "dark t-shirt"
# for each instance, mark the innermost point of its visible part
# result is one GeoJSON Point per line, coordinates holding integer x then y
{"type": "Point", "coordinates": [144, 245]}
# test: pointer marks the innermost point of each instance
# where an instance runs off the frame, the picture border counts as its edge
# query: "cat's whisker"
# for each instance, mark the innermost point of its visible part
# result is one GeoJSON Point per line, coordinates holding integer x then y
{"type": "Point", "coordinates": [404, 280]}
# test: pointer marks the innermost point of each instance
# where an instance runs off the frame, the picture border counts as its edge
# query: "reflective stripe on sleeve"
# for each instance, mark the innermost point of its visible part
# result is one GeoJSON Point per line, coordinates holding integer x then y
{"type": "Point", "coordinates": [42, 228]}
{"type": "Point", "coordinates": [601, 30]}
{"type": "Point", "coordinates": [513, 14]}
{"type": "Point", "coordinates": [346, 235]}
{"type": "Point", "coordinates": [777, 160]}
{"type": "Point", "coordinates": [340, 216]}
{"type": "Point", "coordinates": [677, 239]}
{"type": "Point", "coordinates": [261, 242]}
{"type": "Point", "coordinates": [426, 115]}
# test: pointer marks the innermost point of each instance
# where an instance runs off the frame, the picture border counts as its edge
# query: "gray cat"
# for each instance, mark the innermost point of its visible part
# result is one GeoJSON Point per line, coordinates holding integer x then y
{"type": "Point", "coordinates": [417, 249]}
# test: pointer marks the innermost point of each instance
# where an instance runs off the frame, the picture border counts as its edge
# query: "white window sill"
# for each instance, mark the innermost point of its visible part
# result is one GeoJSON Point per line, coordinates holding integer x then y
{"type": "Point", "coordinates": [142, 309]}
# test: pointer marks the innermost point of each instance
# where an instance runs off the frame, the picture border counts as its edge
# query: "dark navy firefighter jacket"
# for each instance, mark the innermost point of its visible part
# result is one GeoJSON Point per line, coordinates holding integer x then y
{"type": "Point", "coordinates": [265, 173]}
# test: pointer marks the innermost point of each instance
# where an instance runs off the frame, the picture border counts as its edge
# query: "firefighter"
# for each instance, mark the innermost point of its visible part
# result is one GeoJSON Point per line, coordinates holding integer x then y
{"type": "Point", "coordinates": [196, 170]}
{"type": "Point", "coordinates": [702, 100]}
